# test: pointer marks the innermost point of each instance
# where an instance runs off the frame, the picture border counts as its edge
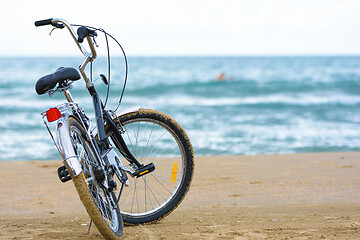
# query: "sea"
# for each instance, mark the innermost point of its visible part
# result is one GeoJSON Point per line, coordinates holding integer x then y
{"type": "Point", "coordinates": [262, 105]}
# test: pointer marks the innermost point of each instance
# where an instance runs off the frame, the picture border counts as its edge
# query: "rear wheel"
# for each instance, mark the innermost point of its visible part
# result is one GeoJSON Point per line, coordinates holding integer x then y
{"type": "Point", "coordinates": [152, 136]}
{"type": "Point", "coordinates": [99, 203]}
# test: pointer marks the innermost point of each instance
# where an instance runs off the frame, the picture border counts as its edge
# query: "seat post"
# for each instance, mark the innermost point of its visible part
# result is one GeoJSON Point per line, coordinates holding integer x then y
{"type": "Point", "coordinates": [68, 96]}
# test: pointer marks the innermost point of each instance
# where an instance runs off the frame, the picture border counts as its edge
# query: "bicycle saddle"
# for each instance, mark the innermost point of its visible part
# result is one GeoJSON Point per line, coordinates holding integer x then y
{"type": "Point", "coordinates": [48, 82]}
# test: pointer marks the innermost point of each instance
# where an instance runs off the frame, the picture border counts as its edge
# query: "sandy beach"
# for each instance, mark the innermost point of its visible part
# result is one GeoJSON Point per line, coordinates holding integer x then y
{"type": "Point", "coordinates": [299, 196]}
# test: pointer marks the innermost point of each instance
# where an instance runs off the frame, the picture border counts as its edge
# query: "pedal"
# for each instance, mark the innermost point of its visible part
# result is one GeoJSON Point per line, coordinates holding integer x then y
{"type": "Point", "coordinates": [64, 175]}
{"type": "Point", "coordinates": [144, 170]}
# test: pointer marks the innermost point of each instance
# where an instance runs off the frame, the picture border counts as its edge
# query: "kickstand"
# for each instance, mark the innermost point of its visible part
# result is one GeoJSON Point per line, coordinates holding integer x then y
{"type": "Point", "coordinates": [89, 226]}
{"type": "Point", "coordinates": [121, 189]}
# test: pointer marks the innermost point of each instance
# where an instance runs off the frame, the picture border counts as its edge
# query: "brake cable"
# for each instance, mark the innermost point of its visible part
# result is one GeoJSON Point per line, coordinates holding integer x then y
{"type": "Point", "coordinates": [109, 66]}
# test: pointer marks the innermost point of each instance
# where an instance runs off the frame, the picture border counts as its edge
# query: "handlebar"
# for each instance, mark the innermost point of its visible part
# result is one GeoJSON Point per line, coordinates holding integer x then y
{"type": "Point", "coordinates": [78, 38]}
{"type": "Point", "coordinates": [61, 23]}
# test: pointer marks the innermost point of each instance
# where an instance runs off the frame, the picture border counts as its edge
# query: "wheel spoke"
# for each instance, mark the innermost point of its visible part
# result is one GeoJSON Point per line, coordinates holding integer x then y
{"type": "Point", "coordinates": [147, 144]}
{"type": "Point", "coordinates": [133, 198]}
{"type": "Point", "coordinates": [152, 206]}
{"type": "Point", "coordinates": [165, 180]}
{"type": "Point", "coordinates": [150, 188]}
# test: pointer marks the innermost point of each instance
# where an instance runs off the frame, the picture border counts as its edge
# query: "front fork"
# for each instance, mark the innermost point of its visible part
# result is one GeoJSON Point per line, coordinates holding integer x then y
{"type": "Point", "coordinates": [119, 141]}
{"type": "Point", "coordinates": [101, 114]}
{"type": "Point", "coordinates": [120, 144]}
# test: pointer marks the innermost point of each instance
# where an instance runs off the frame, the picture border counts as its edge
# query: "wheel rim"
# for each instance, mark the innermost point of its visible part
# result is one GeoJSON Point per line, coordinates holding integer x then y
{"type": "Point", "coordinates": [101, 199]}
{"type": "Point", "coordinates": [150, 140]}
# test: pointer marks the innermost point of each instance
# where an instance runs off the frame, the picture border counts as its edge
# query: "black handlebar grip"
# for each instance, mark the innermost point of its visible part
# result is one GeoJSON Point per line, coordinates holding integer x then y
{"type": "Point", "coordinates": [43, 22]}
{"type": "Point", "coordinates": [82, 32]}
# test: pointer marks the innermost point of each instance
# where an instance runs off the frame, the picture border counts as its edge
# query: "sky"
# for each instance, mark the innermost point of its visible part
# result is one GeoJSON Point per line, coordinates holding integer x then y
{"type": "Point", "coordinates": [188, 27]}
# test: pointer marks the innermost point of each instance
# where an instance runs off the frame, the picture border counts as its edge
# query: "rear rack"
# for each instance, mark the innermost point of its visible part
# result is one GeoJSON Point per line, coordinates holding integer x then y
{"type": "Point", "coordinates": [62, 108]}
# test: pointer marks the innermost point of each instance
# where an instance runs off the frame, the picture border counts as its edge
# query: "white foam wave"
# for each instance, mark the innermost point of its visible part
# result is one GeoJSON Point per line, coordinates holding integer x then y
{"type": "Point", "coordinates": [298, 99]}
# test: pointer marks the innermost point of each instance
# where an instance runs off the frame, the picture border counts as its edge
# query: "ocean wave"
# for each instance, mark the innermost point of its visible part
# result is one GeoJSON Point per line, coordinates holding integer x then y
{"type": "Point", "coordinates": [306, 99]}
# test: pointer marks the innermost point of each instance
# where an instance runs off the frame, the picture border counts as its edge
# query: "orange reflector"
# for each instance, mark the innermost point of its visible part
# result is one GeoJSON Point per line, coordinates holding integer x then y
{"type": "Point", "coordinates": [174, 172]}
{"type": "Point", "coordinates": [85, 179]}
{"type": "Point", "coordinates": [53, 114]}
{"type": "Point", "coordinates": [143, 172]}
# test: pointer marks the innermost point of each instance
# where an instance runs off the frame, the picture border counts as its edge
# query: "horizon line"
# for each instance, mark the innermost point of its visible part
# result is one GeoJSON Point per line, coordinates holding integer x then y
{"type": "Point", "coordinates": [188, 56]}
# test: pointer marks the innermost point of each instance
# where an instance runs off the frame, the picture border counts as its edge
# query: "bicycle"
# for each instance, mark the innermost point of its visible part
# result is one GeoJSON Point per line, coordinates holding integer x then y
{"type": "Point", "coordinates": [142, 149]}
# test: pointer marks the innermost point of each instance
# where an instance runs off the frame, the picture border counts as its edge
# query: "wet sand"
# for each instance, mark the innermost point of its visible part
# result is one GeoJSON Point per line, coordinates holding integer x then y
{"type": "Point", "coordinates": [299, 196]}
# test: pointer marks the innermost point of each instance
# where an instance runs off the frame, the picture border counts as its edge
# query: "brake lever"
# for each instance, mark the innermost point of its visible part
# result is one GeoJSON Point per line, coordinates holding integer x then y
{"type": "Point", "coordinates": [58, 25]}
{"type": "Point", "coordinates": [93, 38]}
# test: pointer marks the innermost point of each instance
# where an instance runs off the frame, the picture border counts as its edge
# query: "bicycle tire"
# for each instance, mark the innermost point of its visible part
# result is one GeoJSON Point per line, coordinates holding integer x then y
{"type": "Point", "coordinates": [151, 124]}
{"type": "Point", "coordinates": [93, 198]}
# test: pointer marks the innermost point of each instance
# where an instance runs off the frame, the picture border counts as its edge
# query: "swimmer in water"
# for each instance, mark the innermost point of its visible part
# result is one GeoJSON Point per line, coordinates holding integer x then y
{"type": "Point", "coordinates": [221, 77]}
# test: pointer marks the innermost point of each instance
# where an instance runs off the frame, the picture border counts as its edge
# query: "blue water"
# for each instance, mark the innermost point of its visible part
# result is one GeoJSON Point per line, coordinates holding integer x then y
{"type": "Point", "coordinates": [265, 104]}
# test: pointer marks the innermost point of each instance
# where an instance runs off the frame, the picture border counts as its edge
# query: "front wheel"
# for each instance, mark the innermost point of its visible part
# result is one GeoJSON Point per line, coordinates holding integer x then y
{"type": "Point", "coordinates": [99, 203]}
{"type": "Point", "coordinates": [152, 136]}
